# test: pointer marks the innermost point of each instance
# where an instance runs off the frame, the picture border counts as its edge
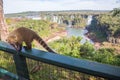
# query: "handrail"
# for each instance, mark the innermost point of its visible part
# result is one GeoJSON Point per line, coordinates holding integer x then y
{"type": "Point", "coordinates": [79, 65]}
{"type": "Point", "coordinates": [7, 73]}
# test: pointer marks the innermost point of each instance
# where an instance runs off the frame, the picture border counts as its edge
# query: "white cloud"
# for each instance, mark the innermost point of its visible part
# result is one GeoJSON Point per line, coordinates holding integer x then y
{"type": "Point", "coordinates": [12, 6]}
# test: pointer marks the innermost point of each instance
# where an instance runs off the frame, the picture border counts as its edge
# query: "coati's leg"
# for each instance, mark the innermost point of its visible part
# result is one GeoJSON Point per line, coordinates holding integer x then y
{"type": "Point", "coordinates": [20, 47]}
{"type": "Point", "coordinates": [28, 46]}
{"type": "Point", "coordinates": [17, 46]}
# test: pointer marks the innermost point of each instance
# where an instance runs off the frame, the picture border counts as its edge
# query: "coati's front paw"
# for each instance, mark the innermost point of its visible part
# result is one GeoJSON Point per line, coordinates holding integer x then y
{"type": "Point", "coordinates": [26, 48]}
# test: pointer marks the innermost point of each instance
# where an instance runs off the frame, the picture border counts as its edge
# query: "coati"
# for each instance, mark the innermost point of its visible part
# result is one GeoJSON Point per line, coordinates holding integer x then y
{"type": "Point", "coordinates": [22, 34]}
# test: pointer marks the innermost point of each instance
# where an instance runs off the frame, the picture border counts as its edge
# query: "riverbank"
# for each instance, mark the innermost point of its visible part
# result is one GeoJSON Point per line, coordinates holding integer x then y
{"type": "Point", "coordinates": [92, 36]}
{"type": "Point", "coordinates": [100, 43]}
{"type": "Point", "coordinates": [56, 36]}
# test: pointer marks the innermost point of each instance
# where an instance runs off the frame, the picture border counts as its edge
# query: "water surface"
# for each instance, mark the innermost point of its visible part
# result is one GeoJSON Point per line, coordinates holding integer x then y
{"type": "Point", "coordinates": [78, 32]}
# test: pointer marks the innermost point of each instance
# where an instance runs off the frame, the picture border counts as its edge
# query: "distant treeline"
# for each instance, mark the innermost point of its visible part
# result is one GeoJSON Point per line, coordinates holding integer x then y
{"type": "Point", "coordinates": [34, 13]}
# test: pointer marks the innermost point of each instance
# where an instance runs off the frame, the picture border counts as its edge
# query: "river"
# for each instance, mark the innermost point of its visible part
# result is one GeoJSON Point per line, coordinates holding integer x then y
{"type": "Point", "coordinates": [73, 32]}
{"type": "Point", "coordinates": [80, 32]}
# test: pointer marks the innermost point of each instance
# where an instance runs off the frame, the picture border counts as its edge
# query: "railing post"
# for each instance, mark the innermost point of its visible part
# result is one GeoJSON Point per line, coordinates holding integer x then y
{"type": "Point", "coordinates": [21, 67]}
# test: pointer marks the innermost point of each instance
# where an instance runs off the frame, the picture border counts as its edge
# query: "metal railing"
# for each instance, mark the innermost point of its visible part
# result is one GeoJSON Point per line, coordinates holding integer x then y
{"type": "Point", "coordinates": [72, 64]}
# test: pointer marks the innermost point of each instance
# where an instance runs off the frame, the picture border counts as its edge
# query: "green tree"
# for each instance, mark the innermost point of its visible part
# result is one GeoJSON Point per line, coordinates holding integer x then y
{"type": "Point", "coordinates": [106, 55]}
{"type": "Point", "coordinates": [68, 46]}
{"type": "Point", "coordinates": [87, 50]}
{"type": "Point", "coordinates": [115, 12]}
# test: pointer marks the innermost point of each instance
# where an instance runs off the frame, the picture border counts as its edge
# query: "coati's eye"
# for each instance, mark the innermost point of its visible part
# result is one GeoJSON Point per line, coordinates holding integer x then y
{"type": "Point", "coordinates": [7, 40]}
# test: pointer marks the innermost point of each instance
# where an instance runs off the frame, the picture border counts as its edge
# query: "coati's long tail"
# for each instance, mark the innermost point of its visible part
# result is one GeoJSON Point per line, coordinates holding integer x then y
{"type": "Point", "coordinates": [43, 43]}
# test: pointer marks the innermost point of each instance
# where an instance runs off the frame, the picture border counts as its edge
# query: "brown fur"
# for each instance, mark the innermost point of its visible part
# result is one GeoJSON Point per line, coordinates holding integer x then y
{"type": "Point", "coordinates": [22, 34]}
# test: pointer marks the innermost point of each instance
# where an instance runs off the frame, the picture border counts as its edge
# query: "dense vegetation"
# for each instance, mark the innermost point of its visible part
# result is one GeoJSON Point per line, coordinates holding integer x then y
{"type": "Point", "coordinates": [108, 25]}
{"type": "Point", "coordinates": [79, 22]}
{"type": "Point", "coordinates": [116, 12]}
{"type": "Point", "coordinates": [72, 47]}
{"type": "Point", "coordinates": [41, 27]}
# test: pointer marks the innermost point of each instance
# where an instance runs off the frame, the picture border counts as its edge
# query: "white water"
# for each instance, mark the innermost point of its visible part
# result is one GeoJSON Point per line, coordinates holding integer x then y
{"type": "Point", "coordinates": [89, 19]}
{"type": "Point", "coordinates": [55, 19]}
{"type": "Point", "coordinates": [69, 23]}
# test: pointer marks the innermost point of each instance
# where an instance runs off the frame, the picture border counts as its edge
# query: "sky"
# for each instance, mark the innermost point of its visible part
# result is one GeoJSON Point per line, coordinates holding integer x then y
{"type": "Point", "coordinates": [15, 6]}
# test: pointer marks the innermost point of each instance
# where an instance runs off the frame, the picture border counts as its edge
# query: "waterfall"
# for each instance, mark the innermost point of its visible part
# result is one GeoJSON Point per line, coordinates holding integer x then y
{"type": "Point", "coordinates": [90, 17]}
{"type": "Point", "coordinates": [69, 23]}
{"type": "Point", "coordinates": [55, 19]}
{"type": "Point", "coordinates": [85, 38]}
